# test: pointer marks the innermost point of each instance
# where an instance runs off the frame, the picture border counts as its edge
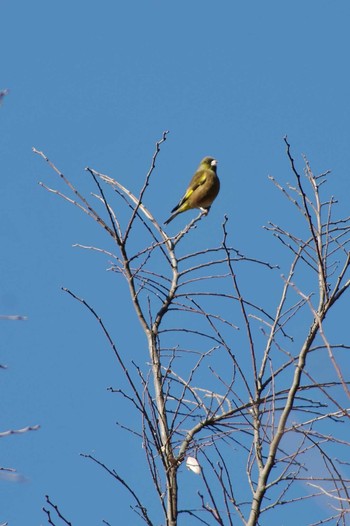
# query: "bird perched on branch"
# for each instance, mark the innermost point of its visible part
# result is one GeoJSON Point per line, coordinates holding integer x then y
{"type": "Point", "coordinates": [202, 190]}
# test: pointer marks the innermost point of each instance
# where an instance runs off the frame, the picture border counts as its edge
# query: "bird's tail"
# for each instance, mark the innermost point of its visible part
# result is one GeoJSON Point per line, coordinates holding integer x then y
{"type": "Point", "coordinates": [171, 218]}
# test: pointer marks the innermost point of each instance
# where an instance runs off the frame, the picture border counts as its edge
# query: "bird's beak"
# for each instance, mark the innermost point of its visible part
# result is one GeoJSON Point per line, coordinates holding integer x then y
{"type": "Point", "coordinates": [214, 162]}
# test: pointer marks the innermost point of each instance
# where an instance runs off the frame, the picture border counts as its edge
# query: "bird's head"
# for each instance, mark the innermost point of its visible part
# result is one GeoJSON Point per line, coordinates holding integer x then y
{"type": "Point", "coordinates": [208, 162]}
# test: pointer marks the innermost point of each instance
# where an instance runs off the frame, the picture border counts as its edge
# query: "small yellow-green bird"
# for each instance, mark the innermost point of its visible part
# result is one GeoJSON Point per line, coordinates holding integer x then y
{"type": "Point", "coordinates": [202, 190]}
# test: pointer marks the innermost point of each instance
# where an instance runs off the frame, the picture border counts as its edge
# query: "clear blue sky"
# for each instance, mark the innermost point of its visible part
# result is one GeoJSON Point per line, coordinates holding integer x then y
{"type": "Point", "coordinates": [96, 83]}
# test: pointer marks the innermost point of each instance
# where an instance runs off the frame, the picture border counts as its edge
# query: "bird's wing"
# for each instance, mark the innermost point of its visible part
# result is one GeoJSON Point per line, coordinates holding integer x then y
{"type": "Point", "coordinates": [197, 180]}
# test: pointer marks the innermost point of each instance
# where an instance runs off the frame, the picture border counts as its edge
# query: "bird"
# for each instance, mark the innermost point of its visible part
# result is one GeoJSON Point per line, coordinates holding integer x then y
{"type": "Point", "coordinates": [202, 190]}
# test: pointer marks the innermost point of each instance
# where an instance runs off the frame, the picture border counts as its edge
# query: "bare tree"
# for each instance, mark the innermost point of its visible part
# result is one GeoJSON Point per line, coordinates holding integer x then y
{"type": "Point", "coordinates": [11, 474]}
{"type": "Point", "coordinates": [3, 93]}
{"type": "Point", "coordinates": [262, 433]}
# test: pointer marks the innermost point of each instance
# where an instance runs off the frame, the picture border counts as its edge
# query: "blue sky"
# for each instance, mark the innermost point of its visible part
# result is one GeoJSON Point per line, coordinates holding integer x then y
{"type": "Point", "coordinates": [96, 84]}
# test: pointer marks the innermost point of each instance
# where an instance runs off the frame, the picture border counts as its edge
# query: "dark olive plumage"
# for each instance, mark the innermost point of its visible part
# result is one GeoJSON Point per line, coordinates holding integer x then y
{"type": "Point", "coordinates": [202, 190]}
